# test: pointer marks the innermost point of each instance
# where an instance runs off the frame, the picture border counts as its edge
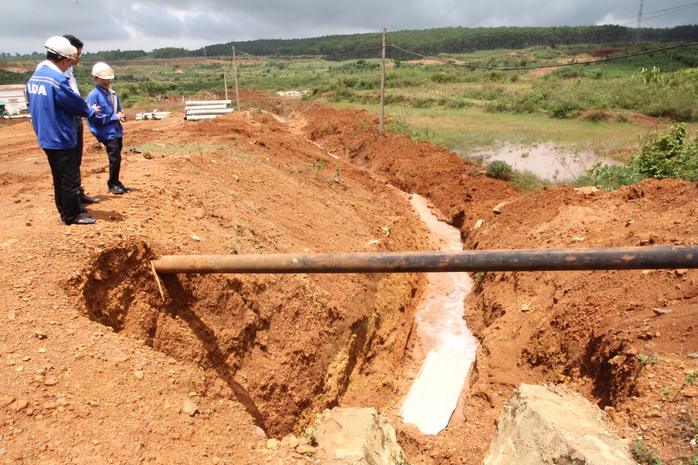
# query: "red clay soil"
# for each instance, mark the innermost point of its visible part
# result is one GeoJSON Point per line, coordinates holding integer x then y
{"type": "Point", "coordinates": [99, 367]}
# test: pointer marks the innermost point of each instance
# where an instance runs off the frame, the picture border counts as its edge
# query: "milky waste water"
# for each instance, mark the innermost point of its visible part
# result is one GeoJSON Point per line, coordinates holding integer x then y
{"type": "Point", "coordinates": [444, 334]}
{"type": "Point", "coordinates": [545, 160]}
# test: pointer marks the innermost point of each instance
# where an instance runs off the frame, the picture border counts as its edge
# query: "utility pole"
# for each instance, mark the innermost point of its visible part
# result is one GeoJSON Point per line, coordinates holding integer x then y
{"type": "Point", "coordinates": [638, 30]}
{"type": "Point", "coordinates": [225, 83]}
{"type": "Point", "coordinates": [235, 72]}
{"type": "Point", "coordinates": [382, 84]}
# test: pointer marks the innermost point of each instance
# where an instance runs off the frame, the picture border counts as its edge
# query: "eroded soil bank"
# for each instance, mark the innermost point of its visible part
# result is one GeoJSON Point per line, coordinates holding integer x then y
{"type": "Point", "coordinates": [98, 368]}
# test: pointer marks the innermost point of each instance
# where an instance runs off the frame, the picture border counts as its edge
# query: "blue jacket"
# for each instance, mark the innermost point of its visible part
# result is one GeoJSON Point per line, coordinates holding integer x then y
{"type": "Point", "coordinates": [106, 125]}
{"type": "Point", "coordinates": [53, 106]}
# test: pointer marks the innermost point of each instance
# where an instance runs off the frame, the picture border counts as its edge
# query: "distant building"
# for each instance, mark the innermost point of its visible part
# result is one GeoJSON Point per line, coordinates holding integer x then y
{"type": "Point", "coordinates": [13, 100]}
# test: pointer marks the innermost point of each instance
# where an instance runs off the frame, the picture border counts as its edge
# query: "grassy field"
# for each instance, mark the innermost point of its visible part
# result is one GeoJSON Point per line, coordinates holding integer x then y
{"type": "Point", "coordinates": [466, 103]}
{"type": "Point", "coordinates": [473, 130]}
{"type": "Point", "coordinates": [606, 108]}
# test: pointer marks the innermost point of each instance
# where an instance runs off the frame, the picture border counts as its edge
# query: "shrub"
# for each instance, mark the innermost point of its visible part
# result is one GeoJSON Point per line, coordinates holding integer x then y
{"type": "Point", "coordinates": [8, 77]}
{"type": "Point", "coordinates": [560, 109]}
{"type": "Point", "coordinates": [495, 76]}
{"type": "Point", "coordinates": [609, 177]}
{"type": "Point", "coordinates": [569, 72]}
{"type": "Point", "coordinates": [681, 107]}
{"type": "Point", "coordinates": [425, 102]}
{"type": "Point", "coordinates": [644, 454]}
{"type": "Point", "coordinates": [496, 107]}
{"type": "Point", "coordinates": [526, 182]}
{"type": "Point", "coordinates": [652, 76]}
{"type": "Point", "coordinates": [499, 169]}
{"type": "Point", "coordinates": [439, 78]}
{"type": "Point", "coordinates": [452, 103]}
{"type": "Point", "coordinates": [673, 155]}
{"type": "Point", "coordinates": [596, 116]}
{"type": "Point", "coordinates": [484, 93]}
{"type": "Point", "coordinates": [368, 83]}
{"type": "Point", "coordinates": [528, 102]}
{"type": "Point", "coordinates": [399, 124]}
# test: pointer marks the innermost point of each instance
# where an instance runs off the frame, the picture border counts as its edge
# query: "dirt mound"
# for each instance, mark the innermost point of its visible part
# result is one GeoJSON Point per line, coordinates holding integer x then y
{"type": "Point", "coordinates": [589, 329]}
{"type": "Point", "coordinates": [243, 183]}
{"type": "Point", "coordinates": [98, 365]}
{"type": "Point", "coordinates": [604, 51]}
{"type": "Point", "coordinates": [18, 66]}
{"type": "Point", "coordinates": [644, 120]}
{"type": "Point", "coordinates": [583, 57]}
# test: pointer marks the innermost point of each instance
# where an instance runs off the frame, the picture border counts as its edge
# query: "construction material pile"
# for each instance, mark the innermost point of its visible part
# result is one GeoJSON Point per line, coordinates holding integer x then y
{"type": "Point", "coordinates": [206, 109]}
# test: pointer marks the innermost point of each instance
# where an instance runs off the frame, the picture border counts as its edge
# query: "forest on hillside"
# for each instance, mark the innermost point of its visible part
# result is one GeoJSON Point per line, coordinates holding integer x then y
{"type": "Point", "coordinates": [450, 40]}
{"type": "Point", "coordinates": [430, 42]}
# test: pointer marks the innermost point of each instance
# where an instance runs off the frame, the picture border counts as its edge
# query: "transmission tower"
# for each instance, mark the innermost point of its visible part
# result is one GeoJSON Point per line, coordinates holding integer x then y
{"type": "Point", "coordinates": [638, 30]}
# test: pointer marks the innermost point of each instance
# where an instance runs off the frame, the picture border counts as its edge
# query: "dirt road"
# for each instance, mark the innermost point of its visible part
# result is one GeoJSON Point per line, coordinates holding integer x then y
{"type": "Point", "coordinates": [97, 368]}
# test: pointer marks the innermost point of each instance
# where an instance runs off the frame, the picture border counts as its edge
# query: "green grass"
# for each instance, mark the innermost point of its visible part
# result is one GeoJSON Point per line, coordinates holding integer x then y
{"type": "Point", "coordinates": [472, 130]}
{"type": "Point", "coordinates": [466, 110]}
{"type": "Point", "coordinates": [190, 149]}
{"type": "Point", "coordinates": [174, 149]}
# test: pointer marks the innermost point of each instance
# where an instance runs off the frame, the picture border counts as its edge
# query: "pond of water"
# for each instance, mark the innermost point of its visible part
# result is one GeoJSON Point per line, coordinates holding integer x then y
{"type": "Point", "coordinates": [545, 160]}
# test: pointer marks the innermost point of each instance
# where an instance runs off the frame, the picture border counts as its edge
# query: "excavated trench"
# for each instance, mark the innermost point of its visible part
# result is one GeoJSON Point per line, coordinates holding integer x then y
{"type": "Point", "coordinates": [282, 346]}
{"type": "Point", "coordinates": [286, 346]}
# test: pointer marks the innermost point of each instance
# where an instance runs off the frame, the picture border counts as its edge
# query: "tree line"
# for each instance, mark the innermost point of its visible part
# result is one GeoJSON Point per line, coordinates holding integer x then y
{"type": "Point", "coordinates": [429, 42]}
{"type": "Point", "coordinates": [450, 40]}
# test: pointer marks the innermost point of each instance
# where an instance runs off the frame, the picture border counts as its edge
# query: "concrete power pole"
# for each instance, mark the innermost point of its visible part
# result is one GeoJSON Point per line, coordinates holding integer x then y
{"type": "Point", "coordinates": [382, 113]}
{"type": "Point", "coordinates": [235, 73]}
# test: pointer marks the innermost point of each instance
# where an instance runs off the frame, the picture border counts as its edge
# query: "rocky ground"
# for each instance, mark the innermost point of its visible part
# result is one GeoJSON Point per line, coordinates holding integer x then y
{"type": "Point", "coordinates": [97, 365]}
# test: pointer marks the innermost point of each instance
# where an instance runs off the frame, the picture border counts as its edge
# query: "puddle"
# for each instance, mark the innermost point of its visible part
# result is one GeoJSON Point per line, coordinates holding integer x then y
{"type": "Point", "coordinates": [545, 160]}
{"type": "Point", "coordinates": [444, 335]}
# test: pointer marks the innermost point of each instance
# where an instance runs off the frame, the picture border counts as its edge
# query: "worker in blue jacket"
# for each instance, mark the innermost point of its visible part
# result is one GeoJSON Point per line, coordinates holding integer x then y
{"type": "Point", "coordinates": [107, 126]}
{"type": "Point", "coordinates": [53, 106]}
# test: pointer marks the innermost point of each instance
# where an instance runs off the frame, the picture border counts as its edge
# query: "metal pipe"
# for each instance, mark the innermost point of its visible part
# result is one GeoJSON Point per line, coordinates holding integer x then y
{"type": "Point", "coordinates": [602, 258]}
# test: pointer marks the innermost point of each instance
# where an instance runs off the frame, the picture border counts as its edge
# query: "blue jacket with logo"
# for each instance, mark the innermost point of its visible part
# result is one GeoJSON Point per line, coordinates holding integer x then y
{"type": "Point", "coordinates": [53, 106]}
{"type": "Point", "coordinates": [106, 125]}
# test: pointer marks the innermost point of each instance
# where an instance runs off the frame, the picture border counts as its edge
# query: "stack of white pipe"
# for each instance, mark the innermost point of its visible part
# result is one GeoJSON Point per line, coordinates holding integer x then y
{"type": "Point", "coordinates": [206, 109]}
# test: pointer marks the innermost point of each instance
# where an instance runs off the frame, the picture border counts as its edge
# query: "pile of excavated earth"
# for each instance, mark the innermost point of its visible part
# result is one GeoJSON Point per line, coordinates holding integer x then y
{"type": "Point", "coordinates": [102, 361]}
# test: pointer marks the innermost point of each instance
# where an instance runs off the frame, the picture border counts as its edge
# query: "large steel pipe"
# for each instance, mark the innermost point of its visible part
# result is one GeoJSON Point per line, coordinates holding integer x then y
{"type": "Point", "coordinates": [604, 258]}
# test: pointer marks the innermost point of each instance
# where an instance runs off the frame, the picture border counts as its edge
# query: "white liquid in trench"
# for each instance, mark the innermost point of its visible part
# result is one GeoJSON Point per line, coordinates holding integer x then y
{"type": "Point", "coordinates": [441, 324]}
{"type": "Point", "coordinates": [444, 334]}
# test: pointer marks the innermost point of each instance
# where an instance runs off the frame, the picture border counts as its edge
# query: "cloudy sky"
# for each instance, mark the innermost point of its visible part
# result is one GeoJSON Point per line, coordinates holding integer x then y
{"type": "Point", "coordinates": [191, 24]}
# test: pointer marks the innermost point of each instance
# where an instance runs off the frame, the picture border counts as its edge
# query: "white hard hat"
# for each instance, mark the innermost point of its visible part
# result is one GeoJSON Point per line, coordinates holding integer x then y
{"type": "Point", "coordinates": [60, 46]}
{"type": "Point", "coordinates": [102, 70]}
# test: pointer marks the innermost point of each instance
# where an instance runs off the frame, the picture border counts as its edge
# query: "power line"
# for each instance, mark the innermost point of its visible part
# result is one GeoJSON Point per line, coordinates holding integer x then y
{"type": "Point", "coordinates": [652, 16]}
{"type": "Point", "coordinates": [659, 13]}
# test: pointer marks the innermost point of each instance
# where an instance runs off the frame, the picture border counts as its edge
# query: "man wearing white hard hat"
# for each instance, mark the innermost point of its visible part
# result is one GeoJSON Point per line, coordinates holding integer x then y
{"type": "Point", "coordinates": [75, 59]}
{"type": "Point", "coordinates": [78, 44]}
{"type": "Point", "coordinates": [106, 126]}
{"type": "Point", "coordinates": [53, 106]}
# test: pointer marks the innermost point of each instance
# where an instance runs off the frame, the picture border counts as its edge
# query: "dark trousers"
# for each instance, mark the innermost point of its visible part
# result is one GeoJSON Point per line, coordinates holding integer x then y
{"type": "Point", "coordinates": [78, 150]}
{"type": "Point", "coordinates": [114, 147]}
{"type": "Point", "coordinates": [66, 182]}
